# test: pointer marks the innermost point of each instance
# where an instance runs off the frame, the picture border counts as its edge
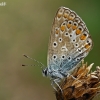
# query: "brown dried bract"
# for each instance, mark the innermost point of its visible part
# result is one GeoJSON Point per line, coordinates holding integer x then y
{"type": "Point", "coordinates": [84, 85]}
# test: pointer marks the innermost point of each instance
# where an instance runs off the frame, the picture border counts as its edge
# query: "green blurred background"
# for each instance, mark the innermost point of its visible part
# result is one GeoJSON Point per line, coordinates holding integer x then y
{"type": "Point", "coordinates": [25, 29]}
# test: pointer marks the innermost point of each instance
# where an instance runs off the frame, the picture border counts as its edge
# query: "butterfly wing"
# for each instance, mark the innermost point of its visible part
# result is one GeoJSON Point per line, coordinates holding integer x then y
{"type": "Point", "coordinates": [69, 42]}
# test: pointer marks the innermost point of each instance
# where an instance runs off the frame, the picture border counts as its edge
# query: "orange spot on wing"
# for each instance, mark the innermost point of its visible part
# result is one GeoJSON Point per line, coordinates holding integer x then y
{"type": "Point", "coordinates": [74, 27]}
{"type": "Point", "coordinates": [78, 31]}
{"type": "Point", "coordinates": [65, 15]}
{"type": "Point", "coordinates": [62, 28]}
{"type": "Point", "coordinates": [71, 18]}
{"type": "Point", "coordinates": [69, 25]}
{"type": "Point", "coordinates": [88, 49]}
{"type": "Point", "coordinates": [87, 46]}
{"type": "Point", "coordinates": [82, 37]}
{"type": "Point", "coordinates": [57, 31]}
{"type": "Point", "coordinates": [59, 15]}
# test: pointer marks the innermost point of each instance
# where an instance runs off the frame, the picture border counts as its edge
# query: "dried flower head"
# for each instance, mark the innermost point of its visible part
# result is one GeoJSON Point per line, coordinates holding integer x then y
{"type": "Point", "coordinates": [81, 85]}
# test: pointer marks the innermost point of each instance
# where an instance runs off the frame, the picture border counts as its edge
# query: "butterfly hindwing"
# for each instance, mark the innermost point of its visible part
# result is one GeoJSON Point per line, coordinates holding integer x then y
{"type": "Point", "coordinates": [69, 42]}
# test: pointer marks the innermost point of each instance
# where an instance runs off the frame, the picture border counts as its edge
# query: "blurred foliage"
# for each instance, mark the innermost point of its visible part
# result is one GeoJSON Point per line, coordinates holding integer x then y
{"type": "Point", "coordinates": [25, 29]}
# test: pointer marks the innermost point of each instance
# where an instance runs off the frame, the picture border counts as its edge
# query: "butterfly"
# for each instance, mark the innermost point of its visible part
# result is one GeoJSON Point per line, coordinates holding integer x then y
{"type": "Point", "coordinates": [69, 43]}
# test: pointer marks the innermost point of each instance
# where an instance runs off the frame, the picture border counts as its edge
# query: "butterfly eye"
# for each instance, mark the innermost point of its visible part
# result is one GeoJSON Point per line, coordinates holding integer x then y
{"type": "Point", "coordinates": [45, 72]}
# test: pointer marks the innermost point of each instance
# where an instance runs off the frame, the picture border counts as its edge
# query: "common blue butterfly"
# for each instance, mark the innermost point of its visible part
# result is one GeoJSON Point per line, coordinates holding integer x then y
{"type": "Point", "coordinates": [69, 43]}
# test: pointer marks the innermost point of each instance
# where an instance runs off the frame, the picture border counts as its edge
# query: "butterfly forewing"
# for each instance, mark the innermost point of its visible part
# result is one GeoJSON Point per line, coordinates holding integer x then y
{"type": "Point", "coordinates": [69, 42]}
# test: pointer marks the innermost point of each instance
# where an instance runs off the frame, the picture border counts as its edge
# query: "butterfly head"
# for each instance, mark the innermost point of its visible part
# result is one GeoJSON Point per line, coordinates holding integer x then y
{"type": "Point", "coordinates": [45, 72]}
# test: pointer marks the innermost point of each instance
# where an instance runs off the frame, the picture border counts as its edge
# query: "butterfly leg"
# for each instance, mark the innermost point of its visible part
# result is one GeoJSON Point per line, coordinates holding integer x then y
{"type": "Point", "coordinates": [76, 79]}
{"type": "Point", "coordinates": [56, 81]}
{"type": "Point", "coordinates": [52, 84]}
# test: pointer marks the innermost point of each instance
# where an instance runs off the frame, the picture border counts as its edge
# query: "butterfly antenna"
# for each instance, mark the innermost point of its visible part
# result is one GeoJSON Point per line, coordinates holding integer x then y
{"type": "Point", "coordinates": [27, 65]}
{"type": "Point", "coordinates": [33, 60]}
{"type": "Point", "coordinates": [31, 65]}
